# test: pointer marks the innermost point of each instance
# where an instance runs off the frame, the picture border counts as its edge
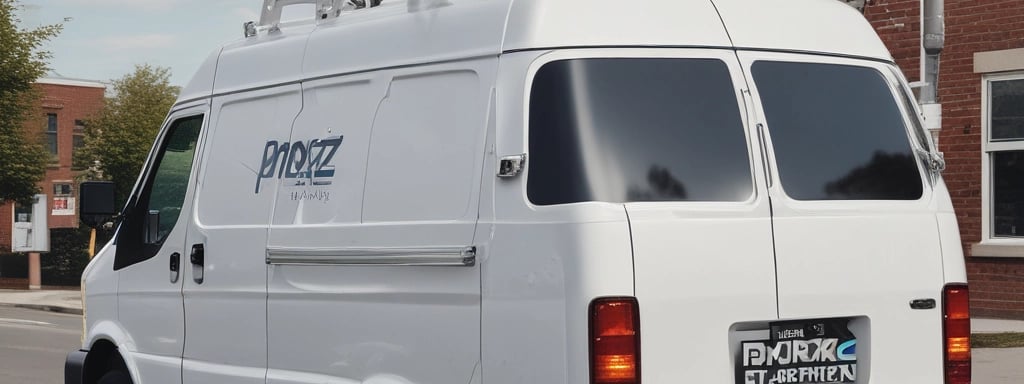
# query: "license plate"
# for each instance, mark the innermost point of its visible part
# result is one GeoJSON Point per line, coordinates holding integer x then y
{"type": "Point", "coordinates": [800, 351]}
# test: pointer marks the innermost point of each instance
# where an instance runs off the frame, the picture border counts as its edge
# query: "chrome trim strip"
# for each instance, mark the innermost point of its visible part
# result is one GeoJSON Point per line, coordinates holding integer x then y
{"type": "Point", "coordinates": [440, 257]}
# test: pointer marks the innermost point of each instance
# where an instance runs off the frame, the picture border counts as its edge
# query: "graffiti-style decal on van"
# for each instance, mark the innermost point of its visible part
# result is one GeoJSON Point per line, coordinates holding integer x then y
{"type": "Point", "coordinates": [308, 163]}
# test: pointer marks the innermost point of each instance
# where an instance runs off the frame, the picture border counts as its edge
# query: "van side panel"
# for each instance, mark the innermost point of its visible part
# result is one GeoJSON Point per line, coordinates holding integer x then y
{"type": "Point", "coordinates": [544, 264]}
{"type": "Point", "coordinates": [225, 300]}
{"type": "Point", "coordinates": [403, 183]}
{"type": "Point", "coordinates": [427, 138]}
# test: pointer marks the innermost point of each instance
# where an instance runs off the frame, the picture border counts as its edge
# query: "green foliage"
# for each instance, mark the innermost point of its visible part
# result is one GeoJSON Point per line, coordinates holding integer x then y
{"type": "Point", "coordinates": [13, 265]}
{"type": "Point", "coordinates": [118, 139]}
{"type": "Point", "coordinates": [23, 159]}
{"type": "Point", "coordinates": [68, 256]}
{"type": "Point", "coordinates": [997, 340]}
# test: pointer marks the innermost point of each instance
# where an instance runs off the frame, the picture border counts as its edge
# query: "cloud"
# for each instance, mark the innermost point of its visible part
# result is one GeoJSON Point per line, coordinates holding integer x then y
{"type": "Point", "coordinates": [148, 5]}
{"type": "Point", "coordinates": [136, 42]}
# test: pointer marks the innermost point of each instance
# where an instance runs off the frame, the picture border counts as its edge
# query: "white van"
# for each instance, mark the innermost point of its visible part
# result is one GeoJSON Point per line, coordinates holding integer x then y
{"type": "Point", "coordinates": [537, 191]}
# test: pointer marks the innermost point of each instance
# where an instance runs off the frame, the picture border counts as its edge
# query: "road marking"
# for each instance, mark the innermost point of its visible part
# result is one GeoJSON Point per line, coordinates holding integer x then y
{"type": "Point", "coordinates": [24, 322]}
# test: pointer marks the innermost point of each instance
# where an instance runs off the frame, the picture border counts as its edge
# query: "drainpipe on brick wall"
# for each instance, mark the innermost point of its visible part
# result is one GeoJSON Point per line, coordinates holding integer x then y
{"type": "Point", "coordinates": [933, 37]}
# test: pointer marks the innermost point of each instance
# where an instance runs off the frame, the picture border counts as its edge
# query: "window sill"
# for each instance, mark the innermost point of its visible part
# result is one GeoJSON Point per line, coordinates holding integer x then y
{"type": "Point", "coordinates": [997, 250]}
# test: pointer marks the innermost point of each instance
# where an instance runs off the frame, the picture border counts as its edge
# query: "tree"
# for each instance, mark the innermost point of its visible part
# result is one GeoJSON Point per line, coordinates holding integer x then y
{"type": "Point", "coordinates": [118, 139]}
{"type": "Point", "coordinates": [23, 159]}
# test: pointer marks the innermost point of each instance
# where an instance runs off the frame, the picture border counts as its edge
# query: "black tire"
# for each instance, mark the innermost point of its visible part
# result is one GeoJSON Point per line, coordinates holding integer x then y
{"type": "Point", "coordinates": [116, 377]}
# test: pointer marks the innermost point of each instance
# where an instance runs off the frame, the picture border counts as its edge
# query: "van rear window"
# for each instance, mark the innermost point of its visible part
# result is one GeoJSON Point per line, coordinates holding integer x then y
{"type": "Point", "coordinates": [837, 132]}
{"type": "Point", "coordinates": [636, 129]}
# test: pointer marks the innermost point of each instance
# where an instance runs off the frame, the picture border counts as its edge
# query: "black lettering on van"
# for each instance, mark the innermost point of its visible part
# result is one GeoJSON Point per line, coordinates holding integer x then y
{"type": "Point", "coordinates": [326, 145]}
{"type": "Point", "coordinates": [296, 160]}
{"type": "Point", "coordinates": [299, 160]}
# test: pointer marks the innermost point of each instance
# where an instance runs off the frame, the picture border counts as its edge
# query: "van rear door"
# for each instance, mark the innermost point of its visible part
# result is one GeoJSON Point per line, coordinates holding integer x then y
{"type": "Point", "coordinates": [854, 224]}
{"type": "Point", "coordinates": [664, 132]}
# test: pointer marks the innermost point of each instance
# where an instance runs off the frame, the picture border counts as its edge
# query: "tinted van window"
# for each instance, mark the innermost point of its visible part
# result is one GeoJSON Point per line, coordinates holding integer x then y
{"type": "Point", "coordinates": [643, 129]}
{"type": "Point", "coordinates": [837, 132]}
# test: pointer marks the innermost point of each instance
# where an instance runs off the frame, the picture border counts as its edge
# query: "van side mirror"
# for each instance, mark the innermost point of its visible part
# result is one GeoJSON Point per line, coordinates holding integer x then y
{"type": "Point", "coordinates": [97, 202]}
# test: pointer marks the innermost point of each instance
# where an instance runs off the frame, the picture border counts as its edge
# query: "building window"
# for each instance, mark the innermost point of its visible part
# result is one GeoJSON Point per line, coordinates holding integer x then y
{"type": "Point", "coordinates": [1003, 157]}
{"type": "Point", "coordinates": [77, 140]}
{"type": "Point", "coordinates": [62, 189]}
{"type": "Point", "coordinates": [51, 133]}
{"type": "Point", "coordinates": [63, 199]}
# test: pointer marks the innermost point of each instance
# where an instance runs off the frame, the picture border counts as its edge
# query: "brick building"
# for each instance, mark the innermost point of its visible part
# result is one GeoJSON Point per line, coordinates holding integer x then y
{"type": "Point", "coordinates": [981, 89]}
{"type": "Point", "coordinates": [64, 105]}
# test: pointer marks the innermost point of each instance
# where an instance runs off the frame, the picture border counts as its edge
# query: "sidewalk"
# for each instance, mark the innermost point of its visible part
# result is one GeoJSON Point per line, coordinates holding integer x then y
{"type": "Point", "coordinates": [63, 301]}
{"type": "Point", "coordinates": [996, 325]}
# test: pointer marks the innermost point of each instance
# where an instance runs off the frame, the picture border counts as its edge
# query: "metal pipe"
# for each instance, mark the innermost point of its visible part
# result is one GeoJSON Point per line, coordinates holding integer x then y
{"type": "Point", "coordinates": [933, 39]}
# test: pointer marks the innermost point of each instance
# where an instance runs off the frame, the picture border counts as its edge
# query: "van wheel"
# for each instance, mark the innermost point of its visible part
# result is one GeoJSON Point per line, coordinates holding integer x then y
{"type": "Point", "coordinates": [115, 377]}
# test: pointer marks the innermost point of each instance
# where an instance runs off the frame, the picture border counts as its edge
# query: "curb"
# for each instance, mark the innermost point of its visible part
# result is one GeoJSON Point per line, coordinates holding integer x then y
{"type": "Point", "coordinates": [47, 308]}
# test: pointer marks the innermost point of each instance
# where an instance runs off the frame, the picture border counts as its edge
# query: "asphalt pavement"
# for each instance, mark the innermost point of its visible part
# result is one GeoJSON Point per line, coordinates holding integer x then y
{"type": "Point", "coordinates": [997, 365]}
{"type": "Point", "coordinates": [34, 343]}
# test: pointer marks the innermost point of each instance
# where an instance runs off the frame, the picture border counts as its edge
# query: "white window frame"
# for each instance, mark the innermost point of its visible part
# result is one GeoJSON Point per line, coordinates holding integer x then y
{"type": "Point", "coordinates": [987, 148]}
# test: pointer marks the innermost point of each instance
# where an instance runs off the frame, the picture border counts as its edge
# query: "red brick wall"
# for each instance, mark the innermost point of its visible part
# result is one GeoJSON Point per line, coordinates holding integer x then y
{"type": "Point", "coordinates": [13, 283]}
{"type": "Point", "coordinates": [898, 23]}
{"type": "Point", "coordinates": [997, 285]}
{"type": "Point", "coordinates": [70, 103]}
{"type": "Point", "coordinates": [6, 218]}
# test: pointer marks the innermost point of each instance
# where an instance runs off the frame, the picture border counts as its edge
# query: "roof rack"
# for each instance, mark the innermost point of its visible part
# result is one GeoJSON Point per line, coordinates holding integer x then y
{"type": "Point", "coordinates": [270, 14]}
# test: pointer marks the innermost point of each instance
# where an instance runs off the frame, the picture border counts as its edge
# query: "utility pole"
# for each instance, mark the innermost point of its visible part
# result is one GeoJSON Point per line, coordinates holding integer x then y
{"type": "Point", "coordinates": [933, 39]}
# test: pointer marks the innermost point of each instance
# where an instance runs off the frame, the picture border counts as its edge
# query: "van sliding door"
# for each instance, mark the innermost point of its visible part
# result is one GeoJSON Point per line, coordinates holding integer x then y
{"type": "Point", "coordinates": [371, 258]}
{"type": "Point", "coordinates": [854, 227]}
{"type": "Point", "coordinates": [224, 267]}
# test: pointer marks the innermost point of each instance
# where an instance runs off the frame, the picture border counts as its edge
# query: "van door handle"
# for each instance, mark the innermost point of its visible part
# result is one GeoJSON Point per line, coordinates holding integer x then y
{"type": "Point", "coordinates": [175, 266]}
{"type": "Point", "coordinates": [198, 259]}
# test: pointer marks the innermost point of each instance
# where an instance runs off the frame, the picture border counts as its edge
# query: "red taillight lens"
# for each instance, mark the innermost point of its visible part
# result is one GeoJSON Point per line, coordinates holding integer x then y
{"type": "Point", "coordinates": [956, 329]}
{"type": "Point", "coordinates": [615, 341]}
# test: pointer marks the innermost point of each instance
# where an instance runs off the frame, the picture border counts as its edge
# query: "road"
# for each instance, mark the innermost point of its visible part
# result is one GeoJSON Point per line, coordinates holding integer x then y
{"type": "Point", "coordinates": [997, 366]}
{"type": "Point", "coordinates": [33, 345]}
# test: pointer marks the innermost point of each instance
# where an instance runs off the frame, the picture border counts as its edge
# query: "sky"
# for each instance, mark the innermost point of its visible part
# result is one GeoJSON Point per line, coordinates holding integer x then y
{"type": "Point", "coordinates": [105, 39]}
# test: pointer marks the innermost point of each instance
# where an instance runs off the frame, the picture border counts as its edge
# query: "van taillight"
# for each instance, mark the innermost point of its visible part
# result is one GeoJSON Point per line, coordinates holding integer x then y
{"type": "Point", "coordinates": [615, 341]}
{"type": "Point", "coordinates": [956, 329]}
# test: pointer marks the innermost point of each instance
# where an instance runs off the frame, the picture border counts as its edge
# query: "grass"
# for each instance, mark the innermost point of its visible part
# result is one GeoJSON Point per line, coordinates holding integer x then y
{"type": "Point", "coordinates": [997, 340]}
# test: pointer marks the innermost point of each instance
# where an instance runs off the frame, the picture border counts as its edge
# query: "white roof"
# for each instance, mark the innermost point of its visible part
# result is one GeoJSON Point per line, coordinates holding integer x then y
{"type": "Point", "coordinates": [54, 80]}
{"type": "Point", "coordinates": [409, 32]}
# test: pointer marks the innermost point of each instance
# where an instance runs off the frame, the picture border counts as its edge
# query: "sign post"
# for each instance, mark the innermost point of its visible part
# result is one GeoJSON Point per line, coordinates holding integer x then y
{"type": "Point", "coordinates": [31, 234]}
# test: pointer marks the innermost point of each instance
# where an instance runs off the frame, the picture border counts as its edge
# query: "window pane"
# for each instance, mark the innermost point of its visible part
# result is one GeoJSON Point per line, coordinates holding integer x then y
{"type": "Point", "coordinates": [51, 133]}
{"type": "Point", "coordinates": [1008, 193]}
{"type": "Point", "coordinates": [61, 189]}
{"type": "Point", "coordinates": [620, 130]}
{"type": "Point", "coordinates": [170, 181]}
{"type": "Point", "coordinates": [51, 142]}
{"type": "Point", "coordinates": [1008, 110]}
{"type": "Point", "coordinates": [837, 132]}
{"type": "Point", "coordinates": [51, 122]}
